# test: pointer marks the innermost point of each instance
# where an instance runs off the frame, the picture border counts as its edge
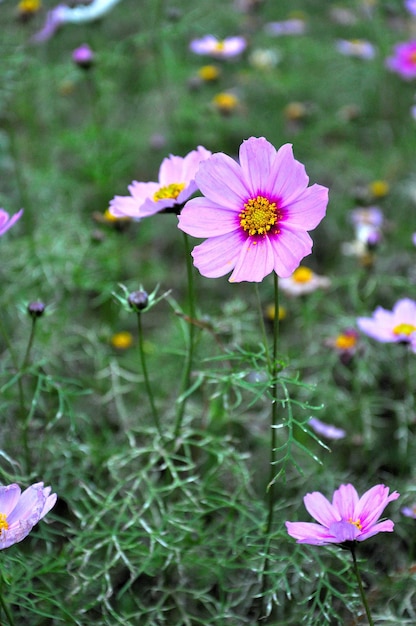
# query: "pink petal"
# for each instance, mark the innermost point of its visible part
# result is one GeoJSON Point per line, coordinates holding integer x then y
{"type": "Point", "coordinates": [256, 159]}
{"type": "Point", "coordinates": [288, 176]}
{"type": "Point", "coordinates": [321, 509]}
{"type": "Point", "coordinates": [29, 507]}
{"type": "Point", "coordinates": [370, 327]}
{"type": "Point", "coordinates": [404, 311]}
{"type": "Point", "coordinates": [290, 247]}
{"type": "Point", "coordinates": [345, 499]}
{"type": "Point", "coordinates": [220, 179]}
{"type": "Point", "coordinates": [217, 256]}
{"type": "Point", "coordinates": [383, 527]}
{"type": "Point", "coordinates": [171, 171]}
{"type": "Point", "coordinates": [124, 206]}
{"type": "Point", "coordinates": [255, 261]}
{"type": "Point", "coordinates": [202, 218]}
{"type": "Point", "coordinates": [344, 531]}
{"type": "Point", "coordinates": [308, 532]}
{"type": "Point", "coordinates": [9, 497]}
{"type": "Point", "coordinates": [307, 209]}
{"type": "Point", "coordinates": [372, 504]}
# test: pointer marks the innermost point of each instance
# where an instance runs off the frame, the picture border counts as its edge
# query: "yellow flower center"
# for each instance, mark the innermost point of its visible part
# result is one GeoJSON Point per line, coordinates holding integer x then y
{"type": "Point", "coordinates": [302, 275]}
{"type": "Point", "coordinates": [412, 57]}
{"type": "Point", "coordinates": [3, 523]}
{"type": "Point", "coordinates": [260, 216]}
{"type": "Point", "coordinates": [122, 340]}
{"type": "Point", "coordinates": [379, 188]}
{"type": "Point", "coordinates": [225, 101]}
{"type": "Point", "coordinates": [404, 329]}
{"type": "Point", "coordinates": [345, 342]}
{"type": "Point", "coordinates": [219, 46]}
{"type": "Point", "coordinates": [169, 192]}
{"type": "Point", "coordinates": [356, 523]}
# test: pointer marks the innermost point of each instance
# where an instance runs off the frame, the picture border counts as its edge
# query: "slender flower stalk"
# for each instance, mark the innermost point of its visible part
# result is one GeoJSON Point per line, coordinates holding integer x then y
{"type": "Point", "coordinates": [138, 301]}
{"type": "Point", "coordinates": [186, 379]}
{"type": "Point", "coordinates": [360, 585]}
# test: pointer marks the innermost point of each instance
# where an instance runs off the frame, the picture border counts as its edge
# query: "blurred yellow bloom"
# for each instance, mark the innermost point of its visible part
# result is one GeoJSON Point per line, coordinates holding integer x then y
{"type": "Point", "coordinates": [225, 102]}
{"type": "Point", "coordinates": [379, 188]}
{"type": "Point", "coordinates": [27, 8]}
{"type": "Point", "coordinates": [295, 111]}
{"type": "Point", "coordinates": [346, 341]}
{"type": "Point", "coordinates": [122, 340]}
{"type": "Point", "coordinates": [270, 312]}
{"type": "Point", "coordinates": [303, 281]}
{"type": "Point", "coordinates": [209, 73]}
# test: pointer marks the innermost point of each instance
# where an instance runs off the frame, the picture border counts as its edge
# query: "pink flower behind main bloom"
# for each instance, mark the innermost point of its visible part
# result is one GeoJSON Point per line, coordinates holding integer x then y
{"type": "Point", "coordinates": [176, 185]}
{"type": "Point", "coordinates": [403, 61]}
{"type": "Point", "coordinates": [347, 518]}
{"type": "Point", "coordinates": [396, 326]}
{"type": "Point", "coordinates": [255, 213]}
{"type": "Point", "coordinates": [6, 221]}
{"type": "Point", "coordinates": [19, 512]}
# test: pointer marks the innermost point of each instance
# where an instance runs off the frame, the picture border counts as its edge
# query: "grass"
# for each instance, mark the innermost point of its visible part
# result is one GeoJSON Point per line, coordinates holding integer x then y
{"type": "Point", "coordinates": [153, 528]}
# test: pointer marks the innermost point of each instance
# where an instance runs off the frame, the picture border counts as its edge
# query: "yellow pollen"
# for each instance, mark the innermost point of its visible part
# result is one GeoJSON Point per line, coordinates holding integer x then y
{"type": "Point", "coordinates": [404, 329]}
{"type": "Point", "coordinates": [219, 46]}
{"type": "Point", "coordinates": [3, 523]}
{"type": "Point", "coordinates": [357, 523]}
{"type": "Point", "coordinates": [302, 275]}
{"type": "Point", "coordinates": [260, 216]}
{"type": "Point", "coordinates": [345, 342]}
{"type": "Point", "coordinates": [168, 192]}
{"type": "Point", "coordinates": [412, 57]}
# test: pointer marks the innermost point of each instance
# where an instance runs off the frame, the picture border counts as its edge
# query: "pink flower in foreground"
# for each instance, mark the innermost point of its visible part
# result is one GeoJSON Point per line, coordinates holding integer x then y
{"type": "Point", "coordinates": [218, 48]}
{"type": "Point", "coordinates": [6, 221]}
{"type": "Point", "coordinates": [19, 512]}
{"type": "Point", "coordinates": [403, 61]}
{"type": "Point", "coordinates": [176, 184]}
{"type": "Point", "coordinates": [255, 213]}
{"type": "Point", "coordinates": [397, 326]}
{"type": "Point", "coordinates": [347, 518]}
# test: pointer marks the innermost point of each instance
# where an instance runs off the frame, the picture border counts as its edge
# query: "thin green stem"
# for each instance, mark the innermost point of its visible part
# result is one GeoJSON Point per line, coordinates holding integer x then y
{"type": "Point", "coordinates": [146, 375]}
{"type": "Point", "coordinates": [4, 605]}
{"type": "Point", "coordinates": [273, 370]}
{"type": "Point", "coordinates": [186, 378]}
{"type": "Point", "coordinates": [26, 358]}
{"type": "Point", "coordinates": [360, 586]}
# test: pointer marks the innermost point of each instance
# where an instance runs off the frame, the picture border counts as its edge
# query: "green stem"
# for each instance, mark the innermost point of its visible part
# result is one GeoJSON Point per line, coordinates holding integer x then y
{"type": "Point", "coordinates": [146, 375]}
{"type": "Point", "coordinates": [4, 605]}
{"type": "Point", "coordinates": [273, 367]}
{"type": "Point", "coordinates": [29, 344]}
{"type": "Point", "coordinates": [186, 379]}
{"type": "Point", "coordinates": [360, 586]}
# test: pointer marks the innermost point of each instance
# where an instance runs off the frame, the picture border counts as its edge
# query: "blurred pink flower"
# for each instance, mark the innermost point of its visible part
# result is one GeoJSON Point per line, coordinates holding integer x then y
{"type": "Point", "coordinates": [347, 518]}
{"type": "Point", "coordinates": [398, 325]}
{"type": "Point", "coordinates": [6, 221]}
{"type": "Point", "coordinates": [83, 56]}
{"type": "Point", "coordinates": [356, 48]}
{"type": "Point", "coordinates": [176, 184]}
{"type": "Point", "coordinates": [403, 61]}
{"type": "Point", "coordinates": [410, 6]}
{"type": "Point", "coordinates": [19, 512]}
{"type": "Point", "coordinates": [326, 430]}
{"type": "Point", "coordinates": [255, 213]}
{"type": "Point", "coordinates": [295, 26]}
{"type": "Point", "coordinates": [218, 48]}
{"type": "Point", "coordinates": [303, 281]}
{"type": "Point", "coordinates": [409, 511]}
{"type": "Point", "coordinates": [63, 14]}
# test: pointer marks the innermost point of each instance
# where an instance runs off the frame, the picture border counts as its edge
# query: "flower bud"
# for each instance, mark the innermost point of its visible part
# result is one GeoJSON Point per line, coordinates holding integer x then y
{"type": "Point", "coordinates": [138, 300]}
{"type": "Point", "coordinates": [36, 309]}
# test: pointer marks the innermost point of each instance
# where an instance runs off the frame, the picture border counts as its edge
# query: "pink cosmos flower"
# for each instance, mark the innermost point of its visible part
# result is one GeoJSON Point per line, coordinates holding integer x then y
{"type": "Point", "coordinates": [218, 48]}
{"type": "Point", "coordinates": [295, 26]}
{"type": "Point", "coordinates": [83, 56]}
{"type": "Point", "coordinates": [347, 518]}
{"type": "Point", "coordinates": [176, 184]}
{"type": "Point", "coordinates": [326, 430]}
{"type": "Point", "coordinates": [410, 6]}
{"type": "Point", "coordinates": [19, 512]}
{"type": "Point", "coordinates": [255, 213]}
{"type": "Point", "coordinates": [6, 221]}
{"type": "Point", "coordinates": [356, 48]}
{"type": "Point", "coordinates": [397, 326]}
{"type": "Point", "coordinates": [403, 61]}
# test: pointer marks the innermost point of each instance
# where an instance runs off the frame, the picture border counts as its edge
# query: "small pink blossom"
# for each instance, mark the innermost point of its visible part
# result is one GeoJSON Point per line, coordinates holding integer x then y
{"type": "Point", "coordinates": [218, 48]}
{"type": "Point", "coordinates": [6, 221]}
{"type": "Point", "coordinates": [403, 61]}
{"type": "Point", "coordinates": [409, 511]}
{"type": "Point", "coordinates": [347, 518]}
{"type": "Point", "coordinates": [255, 213]}
{"type": "Point", "coordinates": [293, 26]}
{"type": "Point", "coordinates": [176, 184]}
{"type": "Point", "coordinates": [83, 56]}
{"type": "Point", "coordinates": [397, 326]}
{"type": "Point", "coordinates": [19, 512]}
{"type": "Point", "coordinates": [356, 48]}
{"type": "Point", "coordinates": [326, 430]}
